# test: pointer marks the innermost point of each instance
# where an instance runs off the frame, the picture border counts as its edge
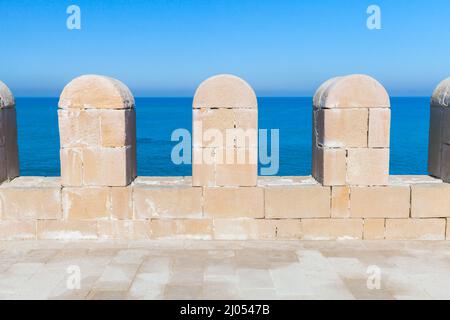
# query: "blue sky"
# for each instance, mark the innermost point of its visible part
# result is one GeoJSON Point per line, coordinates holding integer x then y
{"type": "Point", "coordinates": [167, 47]}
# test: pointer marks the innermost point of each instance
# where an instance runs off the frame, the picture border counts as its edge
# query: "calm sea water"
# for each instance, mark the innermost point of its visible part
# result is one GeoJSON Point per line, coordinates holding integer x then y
{"type": "Point", "coordinates": [158, 117]}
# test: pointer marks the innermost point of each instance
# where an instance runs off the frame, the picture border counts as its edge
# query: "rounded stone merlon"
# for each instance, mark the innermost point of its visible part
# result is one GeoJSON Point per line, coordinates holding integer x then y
{"type": "Point", "coordinates": [225, 91]}
{"type": "Point", "coordinates": [441, 95]}
{"type": "Point", "coordinates": [6, 97]}
{"type": "Point", "coordinates": [353, 91]}
{"type": "Point", "coordinates": [96, 92]}
{"type": "Point", "coordinates": [319, 95]}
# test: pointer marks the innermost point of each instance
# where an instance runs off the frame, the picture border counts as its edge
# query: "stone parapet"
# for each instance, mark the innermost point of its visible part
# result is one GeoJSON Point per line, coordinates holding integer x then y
{"type": "Point", "coordinates": [287, 208]}
{"type": "Point", "coordinates": [350, 194]}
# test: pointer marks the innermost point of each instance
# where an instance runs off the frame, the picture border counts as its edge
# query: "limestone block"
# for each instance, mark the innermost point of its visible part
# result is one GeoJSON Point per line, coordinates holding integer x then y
{"type": "Point", "coordinates": [107, 166]}
{"type": "Point", "coordinates": [245, 229]}
{"type": "Point", "coordinates": [332, 229]}
{"type": "Point", "coordinates": [66, 230]}
{"type": "Point", "coordinates": [234, 202]}
{"type": "Point", "coordinates": [116, 127]}
{"type": "Point", "coordinates": [435, 142]}
{"type": "Point", "coordinates": [415, 229]}
{"type": "Point", "coordinates": [17, 230]}
{"type": "Point", "coordinates": [203, 175]}
{"type": "Point", "coordinates": [240, 171]}
{"type": "Point", "coordinates": [354, 91]}
{"type": "Point", "coordinates": [374, 229]}
{"type": "Point", "coordinates": [273, 181]}
{"type": "Point", "coordinates": [380, 202]}
{"type": "Point", "coordinates": [224, 91]}
{"type": "Point", "coordinates": [367, 166]}
{"type": "Point", "coordinates": [214, 122]}
{"type": "Point", "coordinates": [121, 203]}
{"type": "Point", "coordinates": [79, 128]}
{"type": "Point", "coordinates": [430, 200]}
{"type": "Point", "coordinates": [338, 128]}
{"type": "Point", "coordinates": [197, 229]}
{"type": "Point", "coordinates": [167, 202]}
{"type": "Point", "coordinates": [123, 230]}
{"type": "Point", "coordinates": [71, 167]}
{"type": "Point", "coordinates": [379, 127]}
{"type": "Point", "coordinates": [246, 128]}
{"type": "Point", "coordinates": [330, 166]}
{"type": "Point", "coordinates": [96, 92]}
{"type": "Point", "coordinates": [28, 199]}
{"type": "Point", "coordinates": [340, 202]}
{"type": "Point", "coordinates": [288, 229]}
{"type": "Point", "coordinates": [308, 201]}
{"type": "Point", "coordinates": [86, 203]}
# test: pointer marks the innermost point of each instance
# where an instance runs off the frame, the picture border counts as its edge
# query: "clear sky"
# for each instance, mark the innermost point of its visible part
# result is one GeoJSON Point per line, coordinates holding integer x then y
{"type": "Point", "coordinates": [167, 47]}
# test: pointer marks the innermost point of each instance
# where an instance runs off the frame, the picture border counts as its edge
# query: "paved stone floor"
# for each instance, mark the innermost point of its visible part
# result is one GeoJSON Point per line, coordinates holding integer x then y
{"type": "Point", "coordinates": [173, 269]}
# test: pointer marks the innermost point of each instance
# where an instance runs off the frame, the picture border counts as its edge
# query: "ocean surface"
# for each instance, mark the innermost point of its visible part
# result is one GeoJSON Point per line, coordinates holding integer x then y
{"type": "Point", "coordinates": [158, 117]}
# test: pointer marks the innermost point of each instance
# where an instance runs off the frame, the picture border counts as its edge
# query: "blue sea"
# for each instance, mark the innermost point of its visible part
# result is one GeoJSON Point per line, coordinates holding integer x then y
{"type": "Point", "coordinates": [158, 117]}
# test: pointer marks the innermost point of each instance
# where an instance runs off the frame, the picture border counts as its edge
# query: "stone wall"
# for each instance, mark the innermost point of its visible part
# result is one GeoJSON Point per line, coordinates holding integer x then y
{"type": "Point", "coordinates": [350, 194]}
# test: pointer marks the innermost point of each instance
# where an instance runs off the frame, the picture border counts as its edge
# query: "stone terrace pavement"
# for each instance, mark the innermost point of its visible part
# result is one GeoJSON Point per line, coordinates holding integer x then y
{"type": "Point", "coordinates": [176, 269]}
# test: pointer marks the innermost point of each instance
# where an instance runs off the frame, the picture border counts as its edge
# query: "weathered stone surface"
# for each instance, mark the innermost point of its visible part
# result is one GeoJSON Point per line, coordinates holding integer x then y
{"type": "Point", "coordinates": [282, 181]}
{"type": "Point", "coordinates": [309, 201]}
{"type": "Point", "coordinates": [435, 142]}
{"type": "Point", "coordinates": [412, 179]}
{"type": "Point", "coordinates": [203, 175]}
{"type": "Point", "coordinates": [224, 91]}
{"type": "Point", "coordinates": [237, 175]}
{"type": "Point", "coordinates": [379, 127]}
{"type": "Point", "coordinates": [332, 229]}
{"type": "Point", "coordinates": [201, 229]}
{"type": "Point", "coordinates": [430, 200]}
{"type": "Point", "coordinates": [338, 128]}
{"type": "Point", "coordinates": [66, 230]}
{"type": "Point", "coordinates": [244, 229]}
{"type": "Point", "coordinates": [415, 229]}
{"type": "Point", "coordinates": [354, 91]}
{"type": "Point", "coordinates": [367, 167]}
{"type": "Point", "coordinates": [117, 127]}
{"type": "Point", "coordinates": [96, 92]}
{"type": "Point", "coordinates": [79, 128]}
{"type": "Point", "coordinates": [320, 95]}
{"type": "Point", "coordinates": [441, 95]}
{"type": "Point", "coordinates": [6, 97]}
{"type": "Point", "coordinates": [445, 163]}
{"type": "Point", "coordinates": [231, 202]}
{"type": "Point", "coordinates": [121, 202]}
{"type": "Point", "coordinates": [213, 122]}
{"type": "Point", "coordinates": [71, 167]}
{"type": "Point", "coordinates": [288, 229]}
{"type": "Point", "coordinates": [28, 198]}
{"type": "Point", "coordinates": [86, 203]}
{"type": "Point", "coordinates": [448, 229]}
{"type": "Point", "coordinates": [167, 202]}
{"type": "Point", "coordinates": [330, 166]}
{"type": "Point", "coordinates": [340, 202]}
{"type": "Point", "coordinates": [11, 147]}
{"type": "Point", "coordinates": [17, 230]}
{"type": "Point", "coordinates": [123, 230]}
{"type": "Point", "coordinates": [374, 229]}
{"type": "Point", "coordinates": [380, 202]}
{"type": "Point", "coordinates": [107, 166]}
